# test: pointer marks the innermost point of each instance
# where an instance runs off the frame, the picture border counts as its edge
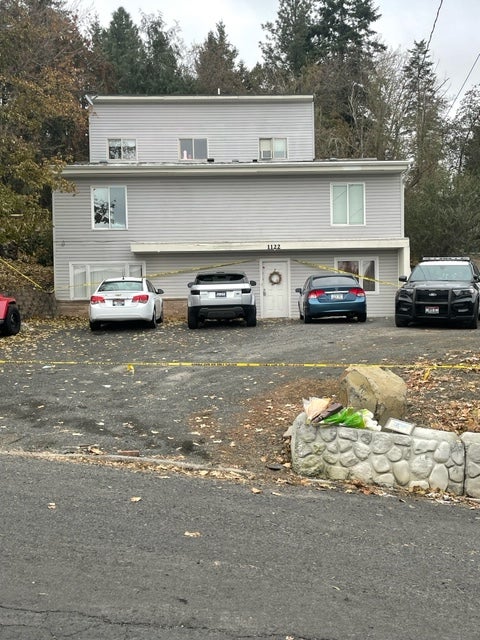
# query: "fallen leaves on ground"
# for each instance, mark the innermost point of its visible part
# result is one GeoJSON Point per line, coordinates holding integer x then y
{"type": "Point", "coordinates": [24, 272]}
{"type": "Point", "coordinates": [445, 399]}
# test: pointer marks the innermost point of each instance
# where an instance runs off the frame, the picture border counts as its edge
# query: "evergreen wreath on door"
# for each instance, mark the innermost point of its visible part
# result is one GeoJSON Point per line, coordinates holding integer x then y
{"type": "Point", "coordinates": [275, 277]}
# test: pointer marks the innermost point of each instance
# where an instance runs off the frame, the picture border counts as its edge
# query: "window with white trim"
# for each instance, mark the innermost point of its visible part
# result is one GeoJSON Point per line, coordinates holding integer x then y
{"type": "Point", "coordinates": [348, 203]}
{"type": "Point", "coordinates": [272, 148]}
{"type": "Point", "coordinates": [85, 277]}
{"type": "Point", "coordinates": [109, 207]}
{"type": "Point", "coordinates": [122, 149]}
{"type": "Point", "coordinates": [193, 149]}
{"type": "Point", "coordinates": [366, 270]}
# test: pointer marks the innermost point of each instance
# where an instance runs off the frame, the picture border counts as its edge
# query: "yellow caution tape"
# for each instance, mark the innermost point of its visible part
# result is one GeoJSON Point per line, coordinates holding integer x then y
{"type": "Point", "coordinates": [318, 365]}
{"type": "Point", "coordinates": [173, 272]}
{"type": "Point", "coordinates": [324, 267]}
{"type": "Point", "coordinates": [194, 269]}
{"type": "Point", "coordinates": [35, 284]}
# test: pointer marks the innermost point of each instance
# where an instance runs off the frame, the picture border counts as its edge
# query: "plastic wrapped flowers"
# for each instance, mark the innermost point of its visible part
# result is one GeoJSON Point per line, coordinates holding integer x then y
{"type": "Point", "coordinates": [325, 413]}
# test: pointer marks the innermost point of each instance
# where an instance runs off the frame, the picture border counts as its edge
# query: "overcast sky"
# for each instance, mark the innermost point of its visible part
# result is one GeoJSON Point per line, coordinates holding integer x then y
{"type": "Point", "coordinates": [455, 43]}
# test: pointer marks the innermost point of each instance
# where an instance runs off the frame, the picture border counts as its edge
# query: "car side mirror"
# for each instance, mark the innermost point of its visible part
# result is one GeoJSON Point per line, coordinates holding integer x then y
{"type": "Point", "coordinates": [159, 291]}
{"type": "Point", "coordinates": [298, 290]}
{"type": "Point", "coordinates": [403, 278]}
{"type": "Point", "coordinates": [190, 285]}
{"type": "Point", "coordinates": [253, 283]}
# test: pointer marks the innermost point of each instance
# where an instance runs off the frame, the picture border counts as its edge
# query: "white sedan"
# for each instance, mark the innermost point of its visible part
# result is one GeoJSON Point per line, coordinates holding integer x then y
{"type": "Point", "coordinates": [126, 299]}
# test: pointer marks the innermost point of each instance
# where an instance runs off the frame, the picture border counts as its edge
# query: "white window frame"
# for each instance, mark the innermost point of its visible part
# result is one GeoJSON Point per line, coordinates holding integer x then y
{"type": "Point", "coordinates": [123, 144]}
{"type": "Point", "coordinates": [192, 140]}
{"type": "Point", "coordinates": [87, 283]}
{"type": "Point", "coordinates": [363, 263]}
{"type": "Point", "coordinates": [267, 150]}
{"type": "Point", "coordinates": [348, 213]}
{"type": "Point", "coordinates": [110, 226]}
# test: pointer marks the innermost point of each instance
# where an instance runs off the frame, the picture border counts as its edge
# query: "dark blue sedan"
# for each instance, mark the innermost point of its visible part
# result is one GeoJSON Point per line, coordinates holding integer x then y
{"type": "Point", "coordinates": [332, 295]}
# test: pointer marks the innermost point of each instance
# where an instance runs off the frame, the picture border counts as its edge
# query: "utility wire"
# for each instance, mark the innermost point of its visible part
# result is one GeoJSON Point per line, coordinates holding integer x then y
{"type": "Point", "coordinates": [464, 82]}
{"type": "Point", "coordinates": [434, 25]}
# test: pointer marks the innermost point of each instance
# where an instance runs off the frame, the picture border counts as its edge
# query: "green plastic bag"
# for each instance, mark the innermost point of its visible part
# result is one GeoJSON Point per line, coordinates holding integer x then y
{"type": "Point", "coordinates": [347, 417]}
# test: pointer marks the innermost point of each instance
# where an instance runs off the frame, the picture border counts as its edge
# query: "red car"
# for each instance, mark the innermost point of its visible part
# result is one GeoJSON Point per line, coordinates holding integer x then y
{"type": "Point", "coordinates": [9, 316]}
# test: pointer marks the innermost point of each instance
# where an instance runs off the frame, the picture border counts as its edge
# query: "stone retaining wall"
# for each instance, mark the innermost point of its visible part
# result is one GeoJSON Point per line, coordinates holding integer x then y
{"type": "Point", "coordinates": [426, 459]}
{"type": "Point", "coordinates": [34, 302]}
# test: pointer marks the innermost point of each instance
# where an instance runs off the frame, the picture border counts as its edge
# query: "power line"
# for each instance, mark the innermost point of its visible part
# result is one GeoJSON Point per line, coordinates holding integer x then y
{"type": "Point", "coordinates": [464, 82]}
{"type": "Point", "coordinates": [434, 25]}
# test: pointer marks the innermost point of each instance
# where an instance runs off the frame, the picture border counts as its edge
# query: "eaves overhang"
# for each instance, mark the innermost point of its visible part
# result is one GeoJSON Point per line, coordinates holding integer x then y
{"type": "Point", "coordinates": [199, 99]}
{"type": "Point", "coordinates": [112, 170]}
{"type": "Point", "coordinates": [282, 247]}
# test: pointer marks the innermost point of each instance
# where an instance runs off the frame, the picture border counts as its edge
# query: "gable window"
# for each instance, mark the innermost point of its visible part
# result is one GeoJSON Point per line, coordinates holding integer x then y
{"type": "Point", "coordinates": [193, 148]}
{"type": "Point", "coordinates": [122, 149]}
{"type": "Point", "coordinates": [348, 203]}
{"type": "Point", "coordinates": [109, 207]}
{"type": "Point", "coordinates": [273, 148]}
{"type": "Point", "coordinates": [85, 277]}
{"type": "Point", "coordinates": [366, 270]}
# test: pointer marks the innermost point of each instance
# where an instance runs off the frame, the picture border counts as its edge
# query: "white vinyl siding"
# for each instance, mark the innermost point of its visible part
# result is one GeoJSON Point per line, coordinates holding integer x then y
{"type": "Point", "coordinates": [232, 130]}
{"type": "Point", "coordinates": [271, 209]}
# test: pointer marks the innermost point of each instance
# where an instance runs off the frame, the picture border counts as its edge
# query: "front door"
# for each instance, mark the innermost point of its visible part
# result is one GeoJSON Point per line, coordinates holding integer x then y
{"type": "Point", "coordinates": [275, 290]}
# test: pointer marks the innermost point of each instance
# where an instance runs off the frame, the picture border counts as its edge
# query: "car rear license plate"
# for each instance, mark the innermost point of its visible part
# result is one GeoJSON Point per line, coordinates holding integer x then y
{"type": "Point", "coordinates": [220, 294]}
{"type": "Point", "coordinates": [118, 303]}
{"type": "Point", "coordinates": [337, 296]}
{"type": "Point", "coordinates": [432, 310]}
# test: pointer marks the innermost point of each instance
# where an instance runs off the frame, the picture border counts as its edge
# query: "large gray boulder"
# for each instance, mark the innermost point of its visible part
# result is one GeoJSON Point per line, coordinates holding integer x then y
{"type": "Point", "coordinates": [379, 390]}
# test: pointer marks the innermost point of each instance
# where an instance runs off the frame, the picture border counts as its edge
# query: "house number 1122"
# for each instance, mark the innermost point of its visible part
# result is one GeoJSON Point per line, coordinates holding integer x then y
{"type": "Point", "coordinates": [273, 247]}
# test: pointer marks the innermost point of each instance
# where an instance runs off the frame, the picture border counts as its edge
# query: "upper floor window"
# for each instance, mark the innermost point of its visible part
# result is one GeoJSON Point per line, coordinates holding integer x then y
{"type": "Point", "coordinates": [348, 203]}
{"type": "Point", "coordinates": [122, 149]}
{"type": "Point", "coordinates": [273, 148]}
{"type": "Point", "coordinates": [109, 207]}
{"type": "Point", "coordinates": [193, 149]}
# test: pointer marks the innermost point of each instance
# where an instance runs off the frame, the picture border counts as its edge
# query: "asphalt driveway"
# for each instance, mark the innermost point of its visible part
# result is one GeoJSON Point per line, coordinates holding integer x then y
{"type": "Point", "coordinates": [190, 395]}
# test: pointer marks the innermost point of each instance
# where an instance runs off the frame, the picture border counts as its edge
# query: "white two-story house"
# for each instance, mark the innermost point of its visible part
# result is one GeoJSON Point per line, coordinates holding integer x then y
{"type": "Point", "coordinates": [178, 184]}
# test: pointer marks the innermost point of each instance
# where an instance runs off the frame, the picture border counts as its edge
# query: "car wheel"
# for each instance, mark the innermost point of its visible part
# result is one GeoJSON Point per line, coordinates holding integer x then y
{"type": "Point", "coordinates": [307, 319]}
{"type": "Point", "coordinates": [473, 324]}
{"type": "Point", "coordinates": [160, 319]}
{"type": "Point", "coordinates": [153, 322]}
{"type": "Point", "coordinates": [300, 313]}
{"type": "Point", "coordinates": [251, 317]}
{"type": "Point", "coordinates": [400, 321]}
{"type": "Point", "coordinates": [94, 326]}
{"type": "Point", "coordinates": [362, 317]}
{"type": "Point", "coordinates": [11, 325]}
{"type": "Point", "coordinates": [192, 319]}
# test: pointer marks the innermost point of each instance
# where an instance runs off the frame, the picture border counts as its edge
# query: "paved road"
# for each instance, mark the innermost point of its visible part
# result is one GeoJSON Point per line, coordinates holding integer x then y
{"type": "Point", "coordinates": [82, 557]}
{"type": "Point", "coordinates": [130, 388]}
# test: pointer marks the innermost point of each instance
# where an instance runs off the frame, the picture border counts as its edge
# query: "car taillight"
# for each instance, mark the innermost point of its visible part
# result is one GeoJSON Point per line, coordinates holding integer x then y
{"type": "Point", "coordinates": [316, 293]}
{"type": "Point", "coordinates": [96, 299]}
{"type": "Point", "coordinates": [357, 291]}
{"type": "Point", "coordinates": [142, 297]}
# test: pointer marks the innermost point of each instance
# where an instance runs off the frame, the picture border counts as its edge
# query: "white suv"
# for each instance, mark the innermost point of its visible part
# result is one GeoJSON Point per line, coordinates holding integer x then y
{"type": "Point", "coordinates": [221, 295]}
